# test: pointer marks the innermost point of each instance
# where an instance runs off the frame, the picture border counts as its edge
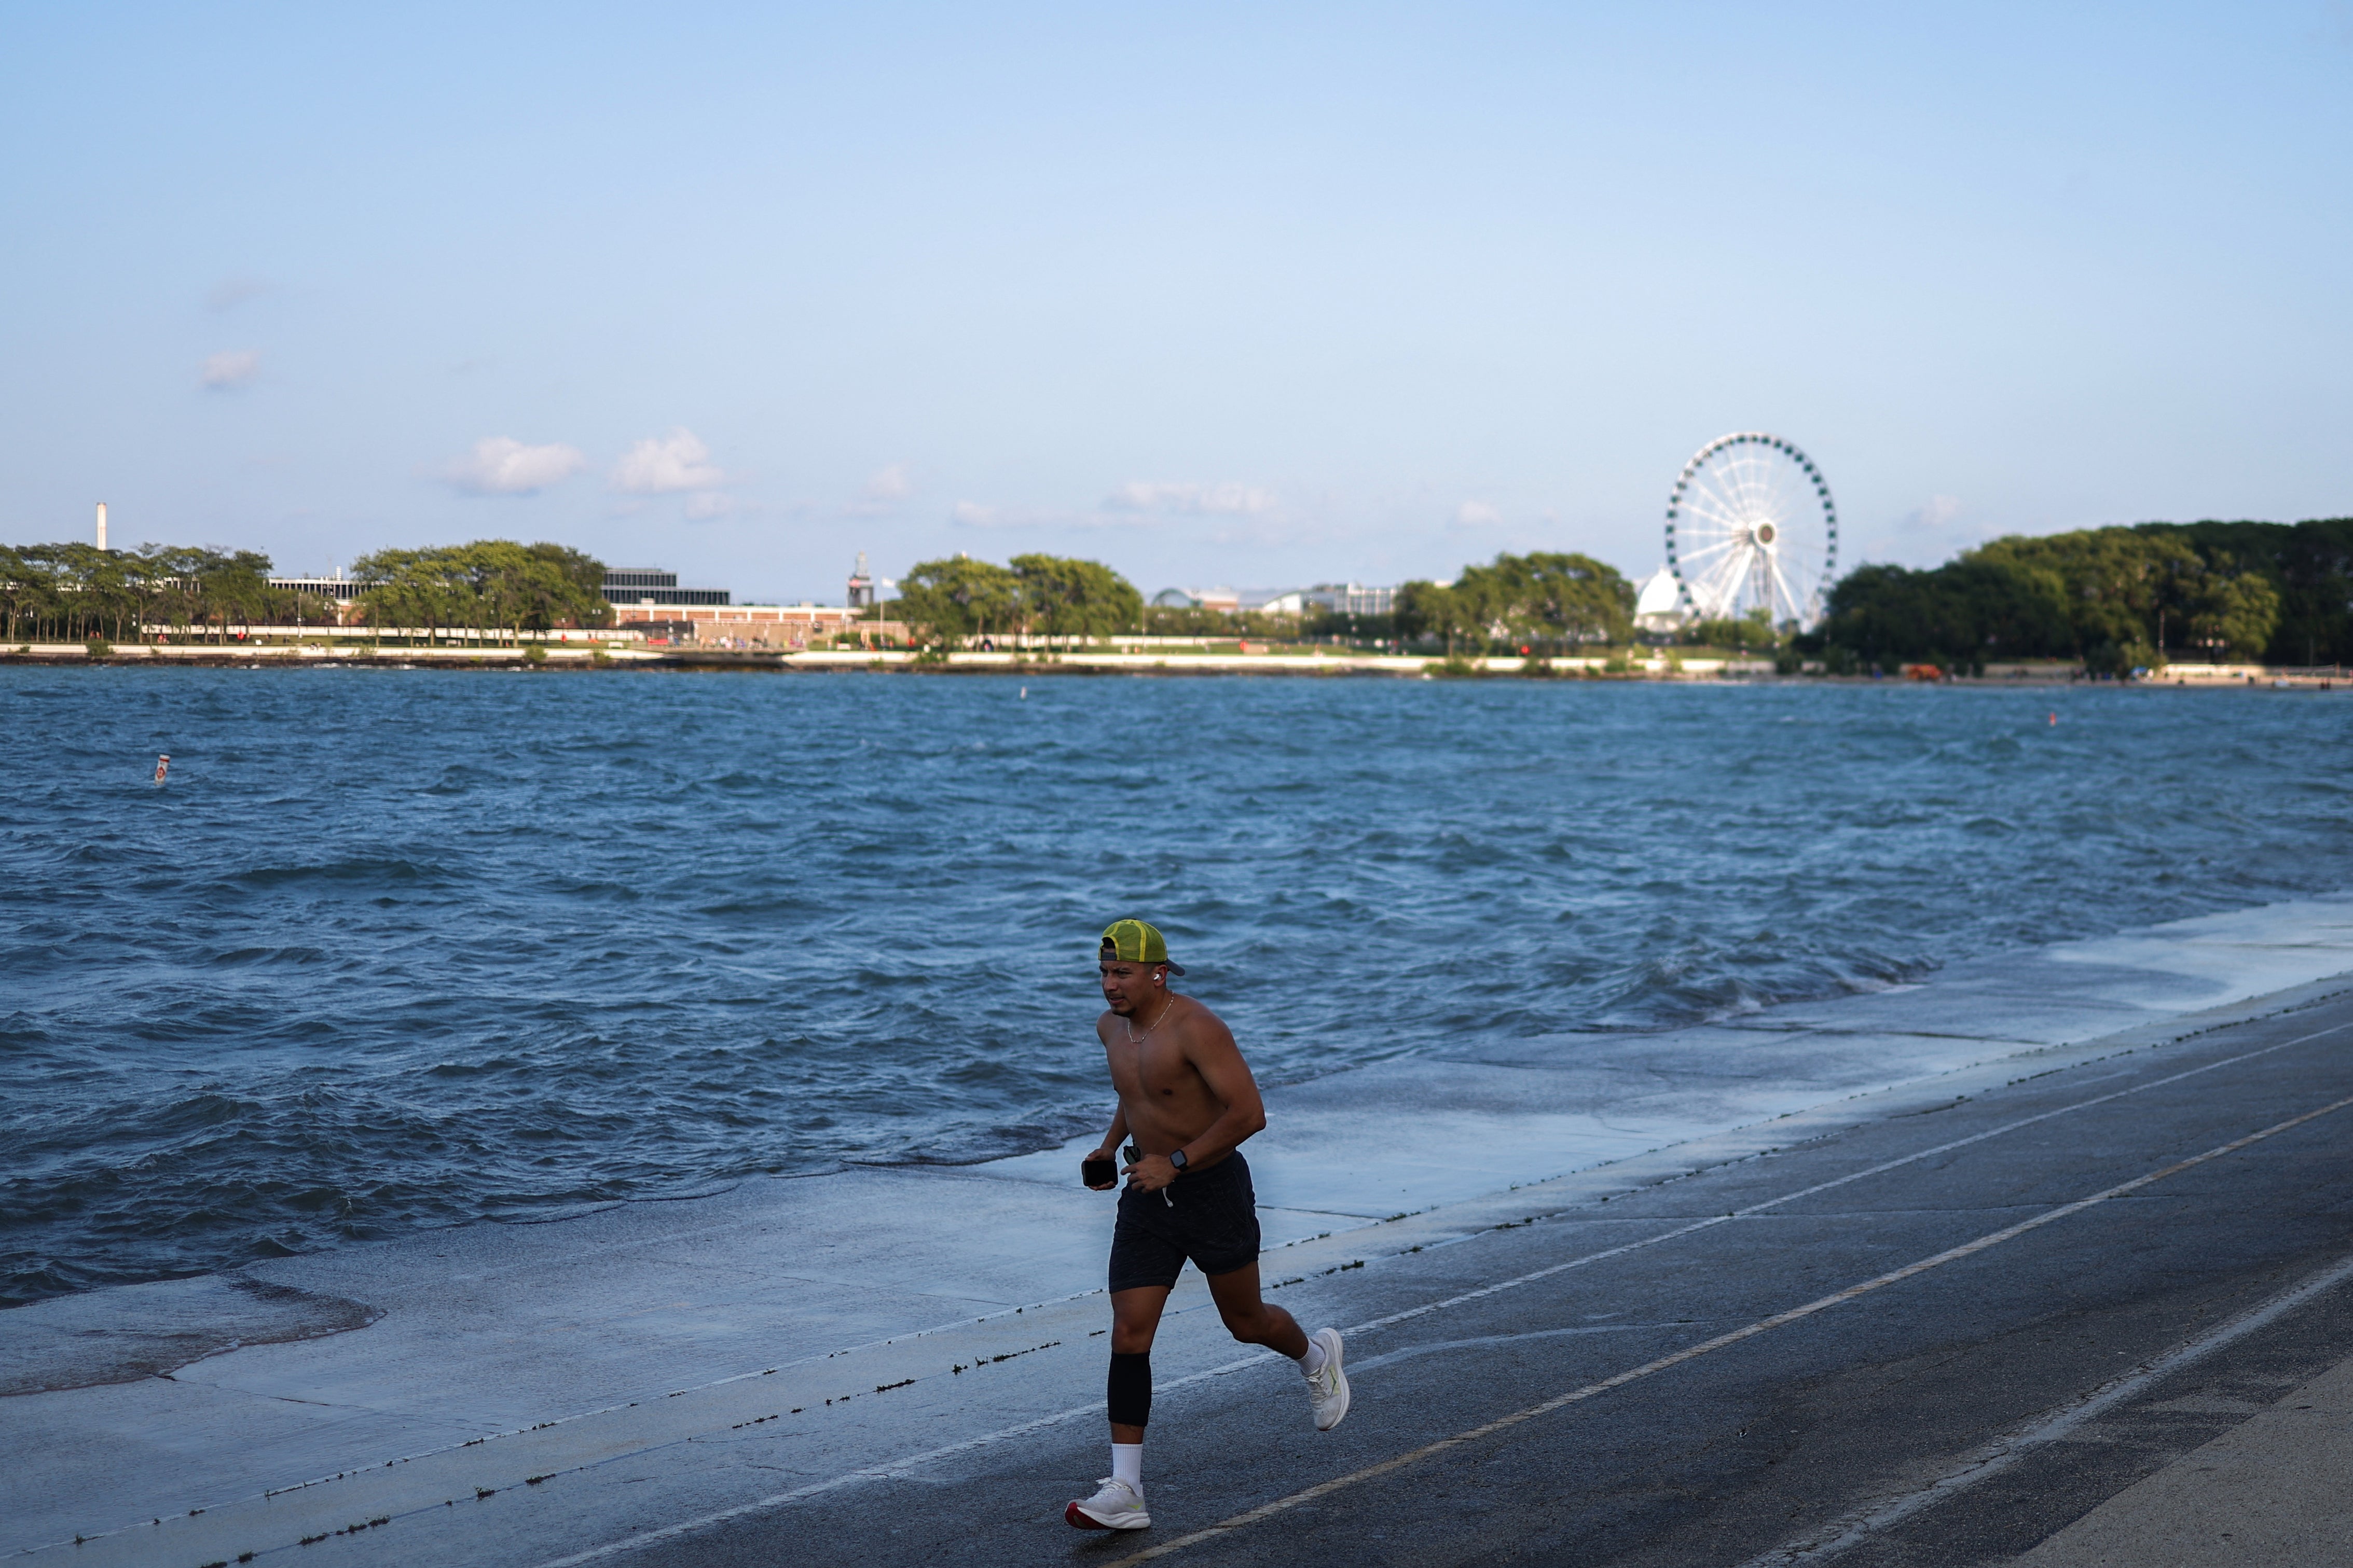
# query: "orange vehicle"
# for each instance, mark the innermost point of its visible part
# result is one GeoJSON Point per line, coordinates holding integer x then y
{"type": "Point", "coordinates": [1923, 672]}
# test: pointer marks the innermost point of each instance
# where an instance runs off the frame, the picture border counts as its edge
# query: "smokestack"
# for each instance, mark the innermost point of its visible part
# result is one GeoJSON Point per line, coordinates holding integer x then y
{"type": "Point", "coordinates": [102, 525]}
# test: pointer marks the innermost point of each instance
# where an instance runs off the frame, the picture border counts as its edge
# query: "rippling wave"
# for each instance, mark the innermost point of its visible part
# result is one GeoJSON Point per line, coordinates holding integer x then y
{"type": "Point", "coordinates": [404, 948]}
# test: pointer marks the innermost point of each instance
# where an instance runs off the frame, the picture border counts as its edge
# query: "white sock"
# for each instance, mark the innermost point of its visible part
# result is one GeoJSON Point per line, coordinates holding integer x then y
{"type": "Point", "coordinates": [1127, 1465]}
{"type": "Point", "coordinates": [1313, 1362]}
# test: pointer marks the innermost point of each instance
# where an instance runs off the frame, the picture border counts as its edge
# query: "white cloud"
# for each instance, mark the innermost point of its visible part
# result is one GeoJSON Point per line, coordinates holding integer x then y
{"type": "Point", "coordinates": [666, 465]}
{"type": "Point", "coordinates": [704, 505]}
{"type": "Point", "coordinates": [503, 466]}
{"type": "Point", "coordinates": [1231, 513]}
{"type": "Point", "coordinates": [230, 292]}
{"type": "Point", "coordinates": [230, 369]}
{"type": "Point", "coordinates": [981, 514]}
{"type": "Point", "coordinates": [1169, 496]}
{"type": "Point", "coordinates": [1476, 514]}
{"type": "Point", "coordinates": [886, 490]}
{"type": "Point", "coordinates": [1938, 511]}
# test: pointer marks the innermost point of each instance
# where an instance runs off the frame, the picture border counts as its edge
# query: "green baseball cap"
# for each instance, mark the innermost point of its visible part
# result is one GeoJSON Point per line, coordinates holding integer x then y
{"type": "Point", "coordinates": [1137, 942]}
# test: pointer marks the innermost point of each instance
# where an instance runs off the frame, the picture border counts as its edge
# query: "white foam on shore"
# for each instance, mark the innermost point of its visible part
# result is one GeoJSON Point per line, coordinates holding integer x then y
{"type": "Point", "coordinates": [847, 1283]}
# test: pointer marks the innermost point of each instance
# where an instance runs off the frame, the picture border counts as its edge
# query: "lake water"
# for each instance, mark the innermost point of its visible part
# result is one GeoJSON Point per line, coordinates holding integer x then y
{"type": "Point", "coordinates": [407, 948]}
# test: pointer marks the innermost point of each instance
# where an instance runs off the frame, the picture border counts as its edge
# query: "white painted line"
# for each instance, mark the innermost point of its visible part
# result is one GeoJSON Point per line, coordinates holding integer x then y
{"type": "Point", "coordinates": [1721, 1342]}
{"type": "Point", "coordinates": [1697, 1225]}
{"type": "Point", "coordinates": [884, 1471]}
{"type": "Point", "coordinates": [1485, 1341]}
{"type": "Point", "coordinates": [904, 1464]}
{"type": "Point", "coordinates": [1992, 1458]}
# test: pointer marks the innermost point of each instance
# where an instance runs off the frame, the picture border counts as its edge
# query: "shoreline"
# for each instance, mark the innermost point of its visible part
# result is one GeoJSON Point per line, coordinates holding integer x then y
{"type": "Point", "coordinates": [1312, 665]}
{"type": "Point", "coordinates": [504, 1351]}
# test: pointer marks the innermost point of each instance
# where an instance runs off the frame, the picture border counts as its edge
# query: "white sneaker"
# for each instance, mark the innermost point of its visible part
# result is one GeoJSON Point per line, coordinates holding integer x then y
{"type": "Point", "coordinates": [1327, 1387]}
{"type": "Point", "coordinates": [1115, 1506]}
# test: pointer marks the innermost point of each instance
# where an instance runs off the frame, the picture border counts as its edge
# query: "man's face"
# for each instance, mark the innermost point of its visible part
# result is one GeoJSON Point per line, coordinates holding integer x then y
{"type": "Point", "coordinates": [1126, 986]}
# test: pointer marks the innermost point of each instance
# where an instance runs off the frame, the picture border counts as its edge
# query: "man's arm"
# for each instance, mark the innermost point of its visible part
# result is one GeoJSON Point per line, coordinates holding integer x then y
{"type": "Point", "coordinates": [1211, 1048]}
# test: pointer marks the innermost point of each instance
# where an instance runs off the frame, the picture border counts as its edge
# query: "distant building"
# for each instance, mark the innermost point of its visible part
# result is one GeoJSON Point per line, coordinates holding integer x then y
{"type": "Point", "coordinates": [333, 586]}
{"type": "Point", "coordinates": [1341, 598]}
{"type": "Point", "coordinates": [861, 585]}
{"type": "Point", "coordinates": [648, 599]}
{"type": "Point", "coordinates": [1353, 598]}
{"type": "Point", "coordinates": [774, 626]}
{"type": "Point", "coordinates": [652, 586]}
{"type": "Point", "coordinates": [1658, 602]}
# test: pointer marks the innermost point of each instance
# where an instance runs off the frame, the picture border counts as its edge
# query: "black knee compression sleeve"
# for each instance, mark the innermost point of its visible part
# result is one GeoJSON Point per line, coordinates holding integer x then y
{"type": "Point", "coordinates": [1130, 1389]}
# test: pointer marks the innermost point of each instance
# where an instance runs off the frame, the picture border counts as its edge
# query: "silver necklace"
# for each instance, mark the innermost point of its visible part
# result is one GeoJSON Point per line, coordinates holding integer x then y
{"type": "Point", "coordinates": [1135, 1039]}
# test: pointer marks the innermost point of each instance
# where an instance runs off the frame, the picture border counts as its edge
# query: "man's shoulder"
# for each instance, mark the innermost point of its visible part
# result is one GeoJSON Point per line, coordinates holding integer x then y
{"type": "Point", "coordinates": [1198, 1022]}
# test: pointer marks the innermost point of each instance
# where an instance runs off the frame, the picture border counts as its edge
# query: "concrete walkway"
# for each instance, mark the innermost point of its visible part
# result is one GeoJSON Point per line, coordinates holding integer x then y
{"type": "Point", "coordinates": [2275, 1491]}
{"type": "Point", "coordinates": [532, 1392]}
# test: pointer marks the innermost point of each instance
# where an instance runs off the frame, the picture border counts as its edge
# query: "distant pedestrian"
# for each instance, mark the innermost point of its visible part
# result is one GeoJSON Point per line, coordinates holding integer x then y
{"type": "Point", "coordinates": [1186, 1099]}
{"type": "Point", "coordinates": [162, 766]}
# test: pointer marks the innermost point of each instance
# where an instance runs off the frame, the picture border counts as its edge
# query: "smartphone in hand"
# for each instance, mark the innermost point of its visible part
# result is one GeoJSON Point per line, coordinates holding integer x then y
{"type": "Point", "coordinates": [1099, 1171]}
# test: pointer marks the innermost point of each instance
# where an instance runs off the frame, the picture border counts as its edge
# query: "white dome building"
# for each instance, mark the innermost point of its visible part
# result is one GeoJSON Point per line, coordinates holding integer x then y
{"type": "Point", "coordinates": [1658, 603]}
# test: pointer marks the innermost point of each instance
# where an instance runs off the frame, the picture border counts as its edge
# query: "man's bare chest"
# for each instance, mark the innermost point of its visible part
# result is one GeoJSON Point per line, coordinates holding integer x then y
{"type": "Point", "coordinates": [1156, 1072]}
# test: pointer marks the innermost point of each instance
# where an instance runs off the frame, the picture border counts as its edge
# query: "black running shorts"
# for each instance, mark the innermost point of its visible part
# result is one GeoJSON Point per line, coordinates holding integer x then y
{"type": "Point", "coordinates": [1208, 1216]}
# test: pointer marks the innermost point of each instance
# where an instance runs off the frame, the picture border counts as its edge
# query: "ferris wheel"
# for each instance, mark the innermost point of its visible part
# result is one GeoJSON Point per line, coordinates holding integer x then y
{"type": "Point", "coordinates": [1751, 526]}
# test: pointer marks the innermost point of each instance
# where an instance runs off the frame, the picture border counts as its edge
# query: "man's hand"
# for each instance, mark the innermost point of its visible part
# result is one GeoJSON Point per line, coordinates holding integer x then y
{"type": "Point", "coordinates": [1107, 1161]}
{"type": "Point", "coordinates": [1150, 1173]}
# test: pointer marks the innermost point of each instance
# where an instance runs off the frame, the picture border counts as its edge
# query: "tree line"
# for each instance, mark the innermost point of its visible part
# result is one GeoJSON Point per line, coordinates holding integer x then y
{"type": "Point", "coordinates": [1548, 603]}
{"type": "Point", "coordinates": [2112, 598]}
{"type": "Point", "coordinates": [961, 599]}
{"type": "Point", "coordinates": [1554, 600]}
{"type": "Point", "coordinates": [73, 591]}
{"type": "Point", "coordinates": [491, 584]}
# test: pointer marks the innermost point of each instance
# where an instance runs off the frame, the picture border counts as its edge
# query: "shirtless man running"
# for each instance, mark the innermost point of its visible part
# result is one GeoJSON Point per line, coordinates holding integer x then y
{"type": "Point", "coordinates": [1186, 1099]}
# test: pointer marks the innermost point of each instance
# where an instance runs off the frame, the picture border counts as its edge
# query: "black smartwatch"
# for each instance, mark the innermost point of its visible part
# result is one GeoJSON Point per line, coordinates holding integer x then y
{"type": "Point", "coordinates": [1177, 1159]}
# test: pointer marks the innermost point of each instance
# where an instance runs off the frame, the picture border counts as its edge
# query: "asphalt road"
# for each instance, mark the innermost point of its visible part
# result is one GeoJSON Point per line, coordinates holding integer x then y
{"type": "Point", "coordinates": [1957, 1413]}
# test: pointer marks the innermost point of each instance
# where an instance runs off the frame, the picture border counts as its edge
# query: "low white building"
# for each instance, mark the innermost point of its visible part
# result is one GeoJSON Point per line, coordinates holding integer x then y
{"type": "Point", "coordinates": [1225, 601]}
{"type": "Point", "coordinates": [1658, 603]}
{"type": "Point", "coordinates": [1341, 598]}
{"type": "Point", "coordinates": [1353, 598]}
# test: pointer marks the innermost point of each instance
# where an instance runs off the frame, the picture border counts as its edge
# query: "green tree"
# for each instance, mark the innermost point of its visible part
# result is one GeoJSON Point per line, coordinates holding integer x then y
{"type": "Point", "coordinates": [1551, 600]}
{"type": "Point", "coordinates": [490, 585]}
{"type": "Point", "coordinates": [950, 600]}
{"type": "Point", "coordinates": [580, 599]}
{"type": "Point", "coordinates": [1058, 597]}
{"type": "Point", "coordinates": [77, 590]}
{"type": "Point", "coordinates": [414, 590]}
{"type": "Point", "coordinates": [2309, 568]}
{"type": "Point", "coordinates": [2235, 613]}
{"type": "Point", "coordinates": [27, 592]}
{"type": "Point", "coordinates": [236, 589]}
{"type": "Point", "coordinates": [1437, 613]}
{"type": "Point", "coordinates": [1967, 610]}
{"type": "Point", "coordinates": [1559, 599]}
{"type": "Point", "coordinates": [1749, 633]}
{"type": "Point", "coordinates": [2120, 584]}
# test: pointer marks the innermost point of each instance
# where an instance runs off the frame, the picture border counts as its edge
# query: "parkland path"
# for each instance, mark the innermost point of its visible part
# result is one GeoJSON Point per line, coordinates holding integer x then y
{"type": "Point", "coordinates": [2102, 1316]}
{"type": "Point", "coordinates": [2049, 1261]}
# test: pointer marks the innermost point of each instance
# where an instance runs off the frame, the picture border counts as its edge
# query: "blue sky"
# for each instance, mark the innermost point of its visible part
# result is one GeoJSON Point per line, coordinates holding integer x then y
{"type": "Point", "coordinates": [1250, 295]}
